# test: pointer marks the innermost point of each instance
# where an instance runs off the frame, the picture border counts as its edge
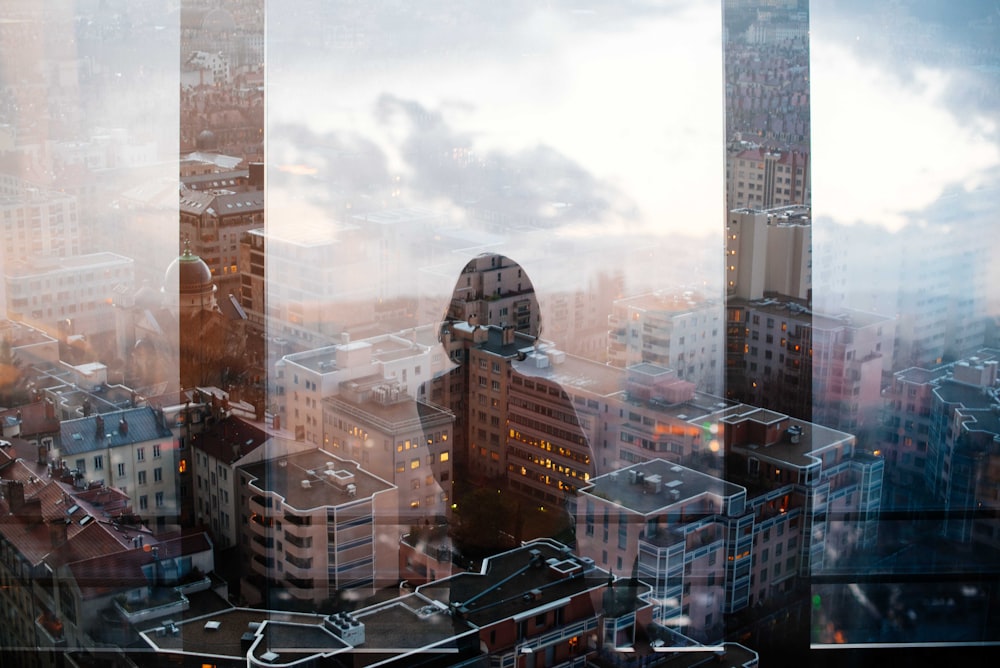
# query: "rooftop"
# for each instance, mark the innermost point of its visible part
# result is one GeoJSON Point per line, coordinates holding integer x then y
{"type": "Point", "coordinates": [398, 216]}
{"type": "Point", "coordinates": [69, 263]}
{"type": "Point", "coordinates": [515, 584]}
{"type": "Point", "coordinates": [140, 425]}
{"type": "Point", "coordinates": [229, 439]}
{"type": "Point", "coordinates": [198, 636]}
{"type": "Point", "coordinates": [677, 485]}
{"type": "Point", "coordinates": [812, 438]}
{"type": "Point", "coordinates": [284, 476]}
{"type": "Point", "coordinates": [678, 302]}
{"type": "Point", "coordinates": [572, 372]}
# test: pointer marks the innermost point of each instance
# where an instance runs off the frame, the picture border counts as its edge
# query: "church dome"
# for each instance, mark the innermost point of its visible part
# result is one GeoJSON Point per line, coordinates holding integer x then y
{"type": "Point", "coordinates": [189, 273]}
{"type": "Point", "coordinates": [206, 141]}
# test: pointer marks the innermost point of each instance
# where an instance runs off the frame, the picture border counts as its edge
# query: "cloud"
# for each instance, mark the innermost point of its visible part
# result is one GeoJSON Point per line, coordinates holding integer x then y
{"type": "Point", "coordinates": [885, 143]}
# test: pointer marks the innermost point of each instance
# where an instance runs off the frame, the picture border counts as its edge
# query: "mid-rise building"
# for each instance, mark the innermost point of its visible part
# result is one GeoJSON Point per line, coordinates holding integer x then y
{"type": "Point", "coordinates": [213, 221]}
{"type": "Point", "coordinates": [79, 571]}
{"type": "Point", "coordinates": [538, 604]}
{"type": "Point", "coordinates": [794, 493]}
{"type": "Point", "coordinates": [314, 525]}
{"type": "Point", "coordinates": [681, 331]}
{"type": "Point", "coordinates": [134, 450]}
{"type": "Point", "coordinates": [405, 361]}
{"type": "Point", "coordinates": [764, 178]}
{"type": "Point", "coordinates": [827, 368]}
{"type": "Point", "coordinates": [769, 251]}
{"type": "Point", "coordinates": [36, 222]}
{"type": "Point", "coordinates": [78, 290]}
{"type": "Point", "coordinates": [493, 290]}
{"type": "Point", "coordinates": [406, 442]}
{"type": "Point", "coordinates": [940, 437]}
{"type": "Point", "coordinates": [212, 461]}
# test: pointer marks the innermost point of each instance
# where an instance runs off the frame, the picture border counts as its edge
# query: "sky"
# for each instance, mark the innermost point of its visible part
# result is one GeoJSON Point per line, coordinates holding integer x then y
{"type": "Point", "coordinates": [605, 120]}
{"type": "Point", "coordinates": [598, 117]}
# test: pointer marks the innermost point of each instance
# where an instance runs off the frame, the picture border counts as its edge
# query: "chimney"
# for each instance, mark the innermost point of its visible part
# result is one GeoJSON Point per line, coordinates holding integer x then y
{"type": "Point", "coordinates": [58, 531]}
{"type": "Point", "coordinates": [508, 334]}
{"type": "Point", "coordinates": [99, 426]}
{"type": "Point", "coordinates": [123, 427]}
{"type": "Point", "coordinates": [256, 176]}
{"type": "Point", "coordinates": [15, 495]}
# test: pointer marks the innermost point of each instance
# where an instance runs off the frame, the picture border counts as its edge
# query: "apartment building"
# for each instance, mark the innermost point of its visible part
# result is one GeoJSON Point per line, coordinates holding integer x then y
{"type": "Point", "coordinates": [36, 222]}
{"type": "Point", "coordinates": [709, 545]}
{"type": "Point", "coordinates": [135, 450]}
{"type": "Point", "coordinates": [313, 525]}
{"type": "Point", "coordinates": [493, 290]}
{"type": "Point", "coordinates": [213, 458]}
{"type": "Point", "coordinates": [407, 442]}
{"type": "Point", "coordinates": [314, 288]}
{"type": "Point", "coordinates": [940, 437]}
{"type": "Point", "coordinates": [536, 605]}
{"type": "Point", "coordinates": [78, 570]}
{"type": "Point", "coordinates": [681, 331]}
{"type": "Point", "coordinates": [70, 294]}
{"type": "Point", "coordinates": [405, 361]}
{"type": "Point", "coordinates": [763, 178]}
{"type": "Point", "coordinates": [769, 251]}
{"type": "Point", "coordinates": [824, 367]}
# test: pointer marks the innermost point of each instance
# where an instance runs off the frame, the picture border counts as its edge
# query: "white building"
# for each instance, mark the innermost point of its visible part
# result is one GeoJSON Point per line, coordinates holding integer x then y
{"type": "Point", "coordinates": [681, 331]}
{"type": "Point", "coordinates": [134, 450]}
{"type": "Point", "coordinates": [36, 222]}
{"type": "Point", "coordinates": [313, 524]}
{"type": "Point", "coordinates": [78, 288]}
{"type": "Point", "coordinates": [769, 252]}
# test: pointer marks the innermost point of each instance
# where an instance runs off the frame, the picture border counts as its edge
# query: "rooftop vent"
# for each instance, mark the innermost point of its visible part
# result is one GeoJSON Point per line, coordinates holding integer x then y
{"type": "Point", "coordinates": [306, 484]}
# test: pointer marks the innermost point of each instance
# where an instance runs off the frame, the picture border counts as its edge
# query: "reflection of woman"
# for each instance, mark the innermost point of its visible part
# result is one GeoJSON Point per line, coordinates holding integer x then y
{"type": "Point", "coordinates": [516, 430]}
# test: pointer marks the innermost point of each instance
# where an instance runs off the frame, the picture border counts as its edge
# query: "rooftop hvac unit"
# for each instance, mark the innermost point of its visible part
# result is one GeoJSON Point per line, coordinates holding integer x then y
{"type": "Point", "coordinates": [306, 484]}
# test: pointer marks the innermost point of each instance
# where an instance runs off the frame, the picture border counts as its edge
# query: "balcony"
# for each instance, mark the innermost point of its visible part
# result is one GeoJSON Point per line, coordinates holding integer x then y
{"type": "Point", "coordinates": [298, 541]}
{"type": "Point", "coordinates": [160, 602]}
{"type": "Point", "coordinates": [260, 525]}
{"type": "Point", "coordinates": [300, 583]}
{"type": "Point", "coordinates": [50, 629]}
{"type": "Point", "coordinates": [262, 565]}
{"type": "Point", "coordinates": [260, 504]}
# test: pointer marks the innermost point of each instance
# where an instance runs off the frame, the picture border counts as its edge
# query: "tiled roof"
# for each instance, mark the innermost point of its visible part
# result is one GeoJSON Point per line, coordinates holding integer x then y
{"type": "Point", "coordinates": [123, 570]}
{"type": "Point", "coordinates": [229, 439]}
{"type": "Point", "coordinates": [80, 435]}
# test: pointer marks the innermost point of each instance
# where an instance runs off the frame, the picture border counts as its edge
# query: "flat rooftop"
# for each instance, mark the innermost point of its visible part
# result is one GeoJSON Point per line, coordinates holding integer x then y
{"type": "Point", "coordinates": [969, 396]}
{"type": "Point", "coordinates": [410, 622]}
{"type": "Point", "coordinates": [813, 439]}
{"type": "Point", "coordinates": [666, 302]}
{"type": "Point", "coordinates": [920, 375]}
{"type": "Point", "coordinates": [678, 484]}
{"type": "Point", "coordinates": [510, 585]}
{"type": "Point", "coordinates": [284, 475]}
{"type": "Point", "coordinates": [398, 216]}
{"type": "Point", "coordinates": [69, 263]}
{"type": "Point", "coordinates": [572, 373]}
{"type": "Point", "coordinates": [384, 348]}
{"type": "Point", "coordinates": [194, 637]}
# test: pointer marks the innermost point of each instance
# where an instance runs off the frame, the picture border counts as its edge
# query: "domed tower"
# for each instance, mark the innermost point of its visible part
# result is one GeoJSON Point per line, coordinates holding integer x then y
{"type": "Point", "coordinates": [193, 278]}
{"type": "Point", "coordinates": [206, 141]}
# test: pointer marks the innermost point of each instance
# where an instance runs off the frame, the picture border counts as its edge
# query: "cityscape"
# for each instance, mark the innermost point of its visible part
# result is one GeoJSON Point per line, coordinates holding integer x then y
{"type": "Point", "coordinates": [566, 334]}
